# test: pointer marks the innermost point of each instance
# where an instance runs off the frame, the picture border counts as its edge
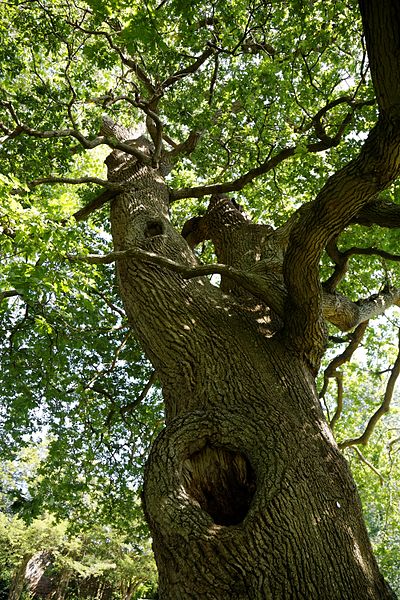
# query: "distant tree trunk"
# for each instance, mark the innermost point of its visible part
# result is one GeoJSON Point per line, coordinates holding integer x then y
{"type": "Point", "coordinates": [19, 582]}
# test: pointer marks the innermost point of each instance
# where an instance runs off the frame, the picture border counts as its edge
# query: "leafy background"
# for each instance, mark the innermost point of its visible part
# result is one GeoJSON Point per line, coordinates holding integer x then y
{"type": "Point", "coordinates": [74, 430]}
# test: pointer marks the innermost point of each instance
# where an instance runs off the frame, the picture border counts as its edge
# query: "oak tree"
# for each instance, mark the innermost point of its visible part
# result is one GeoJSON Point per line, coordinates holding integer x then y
{"type": "Point", "coordinates": [269, 132]}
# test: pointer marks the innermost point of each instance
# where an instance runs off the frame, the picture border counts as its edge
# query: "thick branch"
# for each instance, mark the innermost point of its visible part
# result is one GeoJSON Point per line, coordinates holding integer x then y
{"type": "Point", "coordinates": [268, 288]}
{"type": "Point", "coordinates": [346, 192]}
{"type": "Point", "coordinates": [345, 314]}
{"type": "Point", "coordinates": [95, 204]}
{"type": "Point", "coordinates": [325, 142]}
{"type": "Point", "coordinates": [379, 212]}
{"type": "Point", "coordinates": [381, 24]}
{"type": "Point", "coordinates": [382, 410]}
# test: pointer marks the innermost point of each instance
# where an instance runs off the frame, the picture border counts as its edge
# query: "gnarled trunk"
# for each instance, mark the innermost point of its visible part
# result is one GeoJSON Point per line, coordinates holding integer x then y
{"type": "Point", "coordinates": [246, 493]}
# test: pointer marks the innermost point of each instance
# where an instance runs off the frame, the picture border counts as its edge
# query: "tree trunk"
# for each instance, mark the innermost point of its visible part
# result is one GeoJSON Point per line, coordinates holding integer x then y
{"type": "Point", "coordinates": [246, 493]}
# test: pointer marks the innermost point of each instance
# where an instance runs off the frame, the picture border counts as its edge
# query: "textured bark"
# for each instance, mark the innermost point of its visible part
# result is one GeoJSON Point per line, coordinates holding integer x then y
{"type": "Point", "coordinates": [246, 492]}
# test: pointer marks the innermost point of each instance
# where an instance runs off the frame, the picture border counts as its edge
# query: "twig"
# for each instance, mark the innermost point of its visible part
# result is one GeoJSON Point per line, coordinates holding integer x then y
{"type": "Point", "coordinates": [128, 408]}
{"type": "Point", "coordinates": [366, 462]}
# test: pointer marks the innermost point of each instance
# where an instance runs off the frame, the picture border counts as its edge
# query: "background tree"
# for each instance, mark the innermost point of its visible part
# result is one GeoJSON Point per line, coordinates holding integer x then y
{"type": "Point", "coordinates": [246, 492]}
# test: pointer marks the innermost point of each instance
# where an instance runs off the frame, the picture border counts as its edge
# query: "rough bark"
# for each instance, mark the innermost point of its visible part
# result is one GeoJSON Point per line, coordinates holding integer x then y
{"type": "Point", "coordinates": [246, 492]}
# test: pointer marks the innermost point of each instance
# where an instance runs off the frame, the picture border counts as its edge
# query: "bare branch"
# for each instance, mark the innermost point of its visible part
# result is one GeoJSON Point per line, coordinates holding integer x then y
{"type": "Point", "coordinates": [128, 61]}
{"type": "Point", "coordinates": [128, 408]}
{"type": "Point", "coordinates": [372, 251]}
{"type": "Point", "coordinates": [268, 287]}
{"type": "Point", "coordinates": [186, 147]}
{"type": "Point", "coordinates": [95, 204]}
{"type": "Point", "coordinates": [332, 372]}
{"type": "Point", "coordinates": [339, 406]}
{"type": "Point", "coordinates": [238, 184]}
{"type": "Point", "coordinates": [87, 143]}
{"type": "Point", "coordinates": [379, 212]}
{"type": "Point", "coordinates": [382, 410]}
{"type": "Point", "coordinates": [75, 181]}
{"type": "Point", "coordinates": [341, 260]}
{"type": "Point", "coordinates": [345, 314]}
{"type": "Point", "coordinates": [209, 51]}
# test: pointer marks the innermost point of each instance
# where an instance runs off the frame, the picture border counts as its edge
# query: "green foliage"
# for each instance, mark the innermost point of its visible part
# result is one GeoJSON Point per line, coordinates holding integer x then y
{"type": "Point", "coordinates": [71, 373]}
{"type": "Point", "coordinates": [99, 554]}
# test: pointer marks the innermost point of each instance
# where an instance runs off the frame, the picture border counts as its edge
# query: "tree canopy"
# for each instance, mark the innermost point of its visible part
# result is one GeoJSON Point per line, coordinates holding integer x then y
{"type": "Point", "coordinates": [263, 101]}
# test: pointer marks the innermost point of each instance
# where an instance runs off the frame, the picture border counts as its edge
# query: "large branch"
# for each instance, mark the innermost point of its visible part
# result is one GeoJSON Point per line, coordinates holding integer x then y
{"type": "Point", "coordinates": [95, 204]}
{"type": "Point", "coordinates": [379, 212]}
{"type": "Point", "coordinates": [381, 24]}
{"type": "Point", "coordinates": [345, 193]}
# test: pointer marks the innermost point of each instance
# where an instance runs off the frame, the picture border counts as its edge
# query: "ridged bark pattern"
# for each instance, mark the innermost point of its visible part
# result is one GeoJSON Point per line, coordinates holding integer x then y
{"type": "Point", "coordinates": [246, 493]}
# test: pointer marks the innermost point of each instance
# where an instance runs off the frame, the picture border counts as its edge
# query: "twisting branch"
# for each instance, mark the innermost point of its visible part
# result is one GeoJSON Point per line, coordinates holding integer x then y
{"type": "Point", "coordinates": [195, 66]}
{"type": "Point", "coordinates": [75, 181]}
{"type": "Point", "coordinates": [382, 410]}
{"type": "Point", "coordinates": [341, 260]}
{"type": "Point", "coordinates": [268, 287]}
{"type": "Point", "coordinates": [87, 143]}
{"type": "Point", "coordinates": [186, 147]}
{"type": "Point", "coordinates": [372, 251]}
{"type": "Point", "coordinates": [239, 183]}
{"type": "Point", "coordinates": [332, 372]}
{"type": "Point", "coordinates": [341, 264]}
{"type": "Point", "coordinates": [127, 61]}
